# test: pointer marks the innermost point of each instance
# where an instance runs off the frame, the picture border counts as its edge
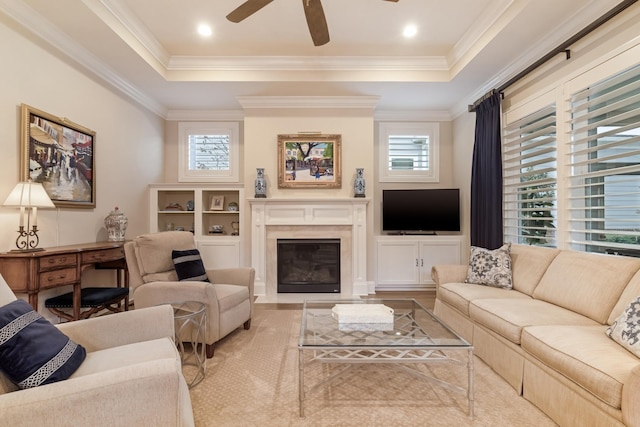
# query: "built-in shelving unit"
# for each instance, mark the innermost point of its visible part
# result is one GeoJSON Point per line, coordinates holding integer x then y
{"type": "Point", "coordinates": [213, 214]}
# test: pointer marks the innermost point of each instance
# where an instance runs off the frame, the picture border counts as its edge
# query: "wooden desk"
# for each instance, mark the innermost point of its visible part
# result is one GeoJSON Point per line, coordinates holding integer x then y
{"type": "Point", "coordinates": [32, 272]}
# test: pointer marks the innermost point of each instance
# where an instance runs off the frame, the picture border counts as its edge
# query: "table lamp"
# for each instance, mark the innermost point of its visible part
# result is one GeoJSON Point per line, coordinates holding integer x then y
{"type": "Point", "coordinates": [28, 195]}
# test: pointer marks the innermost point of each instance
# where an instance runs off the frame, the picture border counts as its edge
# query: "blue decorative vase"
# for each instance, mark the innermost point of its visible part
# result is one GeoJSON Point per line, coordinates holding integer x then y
{"type": "Point", "coordinates": [359, 184]}
{"type": "Point", "coordinates": [260, 185]}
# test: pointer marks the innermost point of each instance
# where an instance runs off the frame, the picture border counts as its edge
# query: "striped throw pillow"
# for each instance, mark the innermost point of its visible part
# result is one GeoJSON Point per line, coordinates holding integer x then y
{"type": "Point", "coordinates": [33, 352]}
{"type": "Point", "coordinates": [189, 266]}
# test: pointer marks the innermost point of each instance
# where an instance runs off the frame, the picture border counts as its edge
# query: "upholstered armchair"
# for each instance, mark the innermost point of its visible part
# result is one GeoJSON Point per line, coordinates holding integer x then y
{"type": "Point", "coordinates": [131, 375]}
{"type": "Point", "coordinates": [228, 295]}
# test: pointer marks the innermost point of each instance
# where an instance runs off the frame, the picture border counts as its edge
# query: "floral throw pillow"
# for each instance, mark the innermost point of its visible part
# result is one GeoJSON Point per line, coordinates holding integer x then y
{"type": "Point", "coordinates": [626, 328]}
{"type": "Point", "coordinates": [490, 267]}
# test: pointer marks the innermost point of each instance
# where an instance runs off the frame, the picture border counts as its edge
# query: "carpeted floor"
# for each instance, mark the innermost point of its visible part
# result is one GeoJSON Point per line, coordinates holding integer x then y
{"type": "Point", "coordinates": [253, 381]}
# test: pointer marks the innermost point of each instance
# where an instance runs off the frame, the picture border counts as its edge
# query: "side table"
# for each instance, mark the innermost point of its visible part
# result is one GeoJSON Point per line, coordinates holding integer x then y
{"type": "Point", "coordinates": [190, 327]}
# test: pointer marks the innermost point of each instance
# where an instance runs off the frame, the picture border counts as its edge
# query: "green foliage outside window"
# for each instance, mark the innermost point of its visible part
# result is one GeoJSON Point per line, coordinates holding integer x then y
{"type": "Point", "coordinates": [536, 203]}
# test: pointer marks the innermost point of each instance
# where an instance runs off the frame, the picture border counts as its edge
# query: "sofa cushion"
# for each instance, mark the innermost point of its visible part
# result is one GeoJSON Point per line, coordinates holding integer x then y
{"type": "Point", "coordinates": [630, 293]}
{"type": "Point", "coordinates": [126, 355]}
{"type": "Point", "coordinates": [589, 284]}
{"type": "Point", "coordinates": [490, 267]}
{"type": "Point", "coordinates": [528, 264]}
{"type": "Point", "coordinates": [33, 352]}
{"type": "Point", "coordinates": [189, 265]}
{"type": "Point", "coordinates": [153, 251]}
{"type": "Point", "coordinates": [585, 355]}
{"type": "Point", "coordinates": [230, 296]}
{"type": "Point", "coordinates": [507, 317]}
{"type": "Point", "coordinates": [459, 295]}
{"type": "Point", "coordinates": [626, 329]}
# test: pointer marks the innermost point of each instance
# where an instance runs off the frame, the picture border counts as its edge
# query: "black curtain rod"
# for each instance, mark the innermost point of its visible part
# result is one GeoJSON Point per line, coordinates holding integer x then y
{"type": "Point", "coordinates": [563, 48]}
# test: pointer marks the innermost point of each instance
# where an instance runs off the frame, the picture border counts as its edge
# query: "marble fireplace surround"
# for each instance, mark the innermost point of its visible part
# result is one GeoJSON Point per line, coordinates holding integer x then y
{"type": "Point", "coordinates": [344, 219]}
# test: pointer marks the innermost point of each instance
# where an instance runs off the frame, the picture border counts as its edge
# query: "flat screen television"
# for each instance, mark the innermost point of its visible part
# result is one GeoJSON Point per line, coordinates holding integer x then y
{"type": "Point", "coordinates": [422, 211]}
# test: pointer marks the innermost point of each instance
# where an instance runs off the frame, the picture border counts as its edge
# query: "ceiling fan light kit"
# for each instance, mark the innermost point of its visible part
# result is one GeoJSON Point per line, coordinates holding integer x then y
{"type": "Point", "coordinates": [313, 11]}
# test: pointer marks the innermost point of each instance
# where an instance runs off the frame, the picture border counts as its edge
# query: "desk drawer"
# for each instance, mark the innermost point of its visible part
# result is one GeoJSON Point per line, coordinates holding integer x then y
{"type": "Point", "coordinates": [54, 278]}
{"type": "Point", "coordinates": [102, 255]}
{"type": "Point", "coordinates": [57, 261]}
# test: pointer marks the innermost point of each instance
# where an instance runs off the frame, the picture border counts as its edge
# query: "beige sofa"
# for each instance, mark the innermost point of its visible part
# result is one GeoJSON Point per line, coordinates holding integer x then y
{"type": "Point", "coordinates": [546, 336]}
{"type": "Point", "coordinates": [131, 376]}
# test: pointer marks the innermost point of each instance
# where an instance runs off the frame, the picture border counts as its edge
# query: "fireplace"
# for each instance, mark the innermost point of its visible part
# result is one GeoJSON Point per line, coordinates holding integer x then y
{"type": "Point", "coordinates": [344, 219]}
{"type": "Point", "coordinates": [308, 265]}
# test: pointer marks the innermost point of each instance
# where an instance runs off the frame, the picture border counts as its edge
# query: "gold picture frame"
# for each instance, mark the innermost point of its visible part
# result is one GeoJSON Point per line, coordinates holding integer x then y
{"type": "Point", "coordinates": [217, 203]}
{"type": "Point", "coordinates": [60, 155]}
{"type": "Point", "coordinates": [309, 161]}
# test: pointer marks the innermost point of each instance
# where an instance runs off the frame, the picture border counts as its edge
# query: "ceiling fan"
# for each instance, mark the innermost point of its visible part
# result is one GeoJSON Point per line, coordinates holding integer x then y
{"type": "Point", "coordinates": [316, 20]}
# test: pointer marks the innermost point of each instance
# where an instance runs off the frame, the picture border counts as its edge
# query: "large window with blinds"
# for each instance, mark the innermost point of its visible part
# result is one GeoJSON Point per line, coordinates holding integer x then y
{"type": "Point", "coordinates": [208, 151]}
{"type": "Point", "coordinates": [409, 152]}
{"type": "Point", "coordinates": [530, 179]}
{"type": "Point", "coordinates": [605, 166]}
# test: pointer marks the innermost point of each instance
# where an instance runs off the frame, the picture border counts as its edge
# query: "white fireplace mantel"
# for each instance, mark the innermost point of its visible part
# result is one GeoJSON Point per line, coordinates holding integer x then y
{"type": "Point", "coordinates": [338, 217]}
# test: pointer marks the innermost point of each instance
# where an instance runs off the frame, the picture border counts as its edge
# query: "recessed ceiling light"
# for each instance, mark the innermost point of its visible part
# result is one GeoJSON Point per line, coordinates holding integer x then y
{"type": "Point", "coordinates": [204, 30]}
{"type": "Point", "coordinates": [410, 31]}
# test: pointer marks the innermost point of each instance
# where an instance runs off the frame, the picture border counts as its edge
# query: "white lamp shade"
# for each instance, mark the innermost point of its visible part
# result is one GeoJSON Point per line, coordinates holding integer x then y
{"type": "Point", "coordinates": [29, 194]}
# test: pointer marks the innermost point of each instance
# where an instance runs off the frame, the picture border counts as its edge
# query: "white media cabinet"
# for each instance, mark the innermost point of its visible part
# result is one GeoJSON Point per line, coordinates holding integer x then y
{"type": "Point", "coordinates": [404, 262]}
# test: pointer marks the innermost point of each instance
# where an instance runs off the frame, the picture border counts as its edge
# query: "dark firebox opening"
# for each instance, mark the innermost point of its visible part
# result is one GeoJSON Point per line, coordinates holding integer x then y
{"type": "Point", "coordinates": [308, 265]}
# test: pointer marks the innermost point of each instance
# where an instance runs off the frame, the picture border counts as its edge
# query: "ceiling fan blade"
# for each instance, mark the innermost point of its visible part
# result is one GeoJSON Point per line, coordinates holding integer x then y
{"type": "Point", "coordinates": [395, 1]}
{"type": "Point", "coordinates": [247, 9]}
{"type": "Point", "coordinates": [316, 22]}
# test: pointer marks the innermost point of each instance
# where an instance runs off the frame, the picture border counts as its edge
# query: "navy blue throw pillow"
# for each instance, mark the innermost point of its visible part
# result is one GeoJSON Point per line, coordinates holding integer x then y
{"type": "Point", "coordinates": [33, 352]}
{"type": "Point", "coordinates": [189, 265]}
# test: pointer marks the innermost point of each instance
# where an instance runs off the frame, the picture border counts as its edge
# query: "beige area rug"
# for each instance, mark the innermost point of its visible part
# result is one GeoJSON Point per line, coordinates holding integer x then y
{"type": "Point", "coordinates": [253, 381]}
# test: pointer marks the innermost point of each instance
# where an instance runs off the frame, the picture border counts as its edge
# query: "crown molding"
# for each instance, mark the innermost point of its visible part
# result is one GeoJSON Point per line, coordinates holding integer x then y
{"type": "Point", "coordinates": [31, 21]}
{"type": "Point", "coordinates": [206, 115]}
{"type": "Point", "coordinates": [473, 38]}
{"type": "Point", "coordinates": [307, 63]}
{"type": "Point", "coordinates": [411, 116]}
{"type": "Point", "coordinates": [365, 102]}
{"type": "Point", "coordinates": [567, 29]}
{"type": "Point", "coordinates": [117, 16]}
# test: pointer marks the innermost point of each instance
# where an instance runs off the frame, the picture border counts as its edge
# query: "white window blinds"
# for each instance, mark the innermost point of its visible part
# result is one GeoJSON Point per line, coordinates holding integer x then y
{"type": "Point", "coordinates": [409, 152]}
{"type": "Point", "coordinates": [209, 152]}
{"type": "Point", "coordinates": [605, 165]}
{"type": "Point", "coordinates": [530, 179]}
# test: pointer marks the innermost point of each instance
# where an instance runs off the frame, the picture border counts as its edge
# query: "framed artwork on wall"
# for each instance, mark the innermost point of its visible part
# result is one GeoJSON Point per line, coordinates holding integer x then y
{"type": "Point", "coordinates": [309, 161]}
{"type": "Point", "coordinates": [60, 155]}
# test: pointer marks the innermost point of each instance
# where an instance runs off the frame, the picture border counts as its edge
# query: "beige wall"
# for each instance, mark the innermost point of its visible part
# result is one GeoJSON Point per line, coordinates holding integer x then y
{"type": "Point", "coordinates": [259, 136]}
{"type": "Point", "coordinates": [261, 129]}
{"type": "Point", "coordinates": [463, 138]}
{"type": "Point", "coordinates": [128, 146]}
{"type": "Point", "coordinates": [446, 171]}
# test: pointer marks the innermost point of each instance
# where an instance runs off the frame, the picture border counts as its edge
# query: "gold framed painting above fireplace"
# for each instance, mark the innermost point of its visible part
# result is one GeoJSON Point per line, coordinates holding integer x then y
{"type": "Point", "coordinates": [309, 161]}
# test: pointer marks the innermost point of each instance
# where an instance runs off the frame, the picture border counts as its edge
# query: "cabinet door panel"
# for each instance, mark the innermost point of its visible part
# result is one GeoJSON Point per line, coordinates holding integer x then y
{"type": "Point", "coordinates": [220, 254]}
{"type": "Point", "coordinates": [397, 263]}
{"type": "Point", "coordinates": [437, 252]}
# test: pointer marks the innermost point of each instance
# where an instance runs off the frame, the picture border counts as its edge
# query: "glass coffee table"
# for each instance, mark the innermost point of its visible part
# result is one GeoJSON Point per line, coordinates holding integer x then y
{"type": "Point", "coordinates": [416, 336]}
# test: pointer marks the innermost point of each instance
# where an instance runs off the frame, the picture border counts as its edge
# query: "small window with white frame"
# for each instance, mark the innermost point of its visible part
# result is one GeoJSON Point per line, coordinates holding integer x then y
{"type": "Point", "coordinates": [409, 152]}
{"type": "Point", "coordinates": [208, 151]}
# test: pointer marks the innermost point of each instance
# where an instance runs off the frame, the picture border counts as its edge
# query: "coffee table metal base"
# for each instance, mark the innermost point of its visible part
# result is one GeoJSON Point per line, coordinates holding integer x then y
{"type": "Point", "coordinates": [416, 337]}
{"type": "Point", "coordinates": [396, 357]}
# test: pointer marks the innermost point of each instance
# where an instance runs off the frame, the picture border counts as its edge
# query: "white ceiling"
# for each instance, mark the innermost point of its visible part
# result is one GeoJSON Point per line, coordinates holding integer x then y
{"type": "Point", "coordinates": [150, 50]}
